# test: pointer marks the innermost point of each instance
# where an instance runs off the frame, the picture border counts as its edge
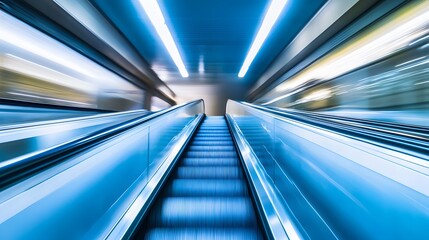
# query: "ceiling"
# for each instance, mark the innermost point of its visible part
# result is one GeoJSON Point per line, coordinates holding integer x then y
{"type": "Point", "coordinates": [213, 37]}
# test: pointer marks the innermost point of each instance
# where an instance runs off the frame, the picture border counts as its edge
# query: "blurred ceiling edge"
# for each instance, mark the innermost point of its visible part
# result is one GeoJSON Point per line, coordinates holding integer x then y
{"type": "Point", "coordinates": [83, 20]}
{"type": "Point", "coordinates": [331, 18]}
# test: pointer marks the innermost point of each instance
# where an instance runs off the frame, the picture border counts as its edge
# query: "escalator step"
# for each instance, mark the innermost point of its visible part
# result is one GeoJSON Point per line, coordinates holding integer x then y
{"type": "Point", "coordinates": [205, 212]}
{"type": "Point", "coordinates": [206, 154]}
{"type": "Point", "coordinates": [218, 143]}
{"type": "Point", "coordinates": [203, 233]}
{"type": "Point", "coordinates": [204, 162]}
{"type": "Point", "coordinates": [212, 136]}
{"type": "Point", "coordinates": [207, 187]}
{"type": "Point", "coordinates": [213, 139]}
{"type": "Point", "coordinates": [212, 130]}
{"type": "Point", "coordinates": [212, 148]}
{"type": "Point", "coordinates": [209, 172]}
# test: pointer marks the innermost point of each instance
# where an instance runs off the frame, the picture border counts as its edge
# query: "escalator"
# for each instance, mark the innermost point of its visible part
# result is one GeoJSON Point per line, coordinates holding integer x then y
{"type": "Point", "coordinates": [207, 196]}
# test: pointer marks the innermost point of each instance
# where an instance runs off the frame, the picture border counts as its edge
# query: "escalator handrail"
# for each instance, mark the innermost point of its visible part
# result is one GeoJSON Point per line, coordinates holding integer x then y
{"type": "Point", "coordinates": [21, 167]}
{"type": "Point", "coordinates": [411, 144]}
{"type": "Point", "coordinates": [411, 137]}
{"type": "Point", "coordinates": [406, 128]}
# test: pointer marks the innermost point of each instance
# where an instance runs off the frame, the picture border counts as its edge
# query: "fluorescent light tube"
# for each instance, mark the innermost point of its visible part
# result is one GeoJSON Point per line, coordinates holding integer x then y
{"type": "Point", "coordinates": [154, 13]}
{"type": "Point", "coordinates": [270, 18]}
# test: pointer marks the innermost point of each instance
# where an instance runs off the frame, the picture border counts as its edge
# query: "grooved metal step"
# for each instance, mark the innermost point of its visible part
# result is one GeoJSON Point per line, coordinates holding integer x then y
{"type": "Point", "coordinates": [218, 143]}
{"type": "Point", "coordinates": [203, 233]}
{"type": "Point", "coordinates": [207, 187]}
{"type": "Point", "coordinates": [214, 140]}
{"type": "Point", "coordinates": [212, 148]}
{"type": "Point", "coordinates": [209, 172]}
{"type": "Point", "coordinates": [209, 162]}
{"type": "Point", "coordinates": [205, 212]}
{"type": "Point", "coordinates": [210, 154]}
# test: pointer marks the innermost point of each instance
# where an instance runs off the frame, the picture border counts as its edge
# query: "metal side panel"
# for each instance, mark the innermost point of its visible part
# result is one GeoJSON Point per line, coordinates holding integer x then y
{"type": "Point", "coordinates": [131, 218]}
{"type": "Point", "coordinates": [279, 222]}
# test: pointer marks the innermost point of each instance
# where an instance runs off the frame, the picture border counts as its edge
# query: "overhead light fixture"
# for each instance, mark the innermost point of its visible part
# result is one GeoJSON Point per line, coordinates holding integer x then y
{"type": "Point", "coordinates": [201, 65]}
{"type": "Point", "coordinates": [154, 13]}
{"type": "Point", "coordinates": [270, 18]}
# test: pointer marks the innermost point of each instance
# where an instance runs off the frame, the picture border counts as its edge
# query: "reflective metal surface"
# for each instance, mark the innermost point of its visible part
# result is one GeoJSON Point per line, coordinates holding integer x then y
{"type": "Point", "coordinates": [22, 140]}
{"type": "Point", "coordinates": [85, 196]}
{"type": "Point", "coordinates": [12, 114]}
{"type": "Point", "coordinates": [336, 186]}
{"type": "Point", "coordinates": [279, 221]}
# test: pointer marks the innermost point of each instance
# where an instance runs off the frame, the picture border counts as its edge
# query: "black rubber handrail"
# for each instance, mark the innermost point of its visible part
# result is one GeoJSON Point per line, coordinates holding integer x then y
{"type": "Point", "coordinates": [405, 141]}
{"type": "Point", "coordinates": [17, 169]}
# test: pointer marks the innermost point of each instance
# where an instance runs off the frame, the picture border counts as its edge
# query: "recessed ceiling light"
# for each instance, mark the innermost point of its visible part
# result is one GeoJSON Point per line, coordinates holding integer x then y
{"type": "Point", "coordinates": [154, 13]}
{"type": "Point", "coordinates": [270, 18]}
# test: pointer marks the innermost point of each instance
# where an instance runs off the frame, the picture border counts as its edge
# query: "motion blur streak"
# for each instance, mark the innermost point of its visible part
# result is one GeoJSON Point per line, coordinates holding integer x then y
{"type": "Point", "coordinates": [383, 68]}
{"type": "Point", "coordinates": [36, 68]}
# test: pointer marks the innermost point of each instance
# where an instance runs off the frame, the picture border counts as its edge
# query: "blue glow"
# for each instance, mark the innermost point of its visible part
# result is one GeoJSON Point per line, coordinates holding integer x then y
{"type": "Point", "coordinates": [154, 13]}
{"type": "Point", "coordinates": [270, 18]}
